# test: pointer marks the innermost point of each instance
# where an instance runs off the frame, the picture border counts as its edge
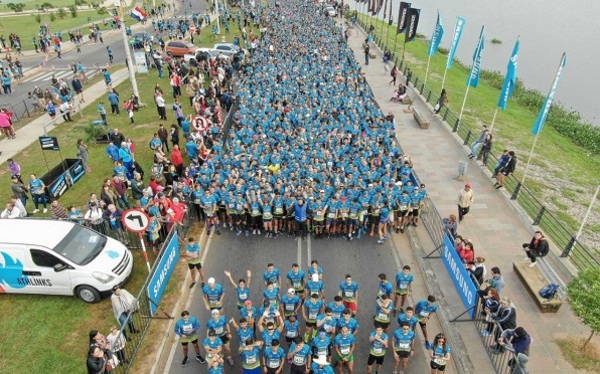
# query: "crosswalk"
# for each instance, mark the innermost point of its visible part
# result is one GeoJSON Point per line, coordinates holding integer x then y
{"type": "Point", "coordinates": [45, 76]}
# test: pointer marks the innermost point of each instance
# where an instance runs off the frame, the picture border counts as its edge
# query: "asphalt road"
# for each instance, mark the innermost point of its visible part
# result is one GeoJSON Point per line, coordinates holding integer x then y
{"type": "Point", "coordinates": [364, 259]}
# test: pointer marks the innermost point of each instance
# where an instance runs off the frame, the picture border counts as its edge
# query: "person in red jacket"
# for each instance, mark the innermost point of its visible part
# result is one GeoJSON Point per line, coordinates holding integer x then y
{"type": "Point", "coordinates": [177, 159]}
{"type": "Point", "coordinates": [466, 253]}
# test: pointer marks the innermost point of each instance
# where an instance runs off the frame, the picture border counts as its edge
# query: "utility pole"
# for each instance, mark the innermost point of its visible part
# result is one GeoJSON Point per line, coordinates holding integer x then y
{"type": "Point", "coordinates": [130, 65]}
{"type": "Point", "coordinates": [216, 2]}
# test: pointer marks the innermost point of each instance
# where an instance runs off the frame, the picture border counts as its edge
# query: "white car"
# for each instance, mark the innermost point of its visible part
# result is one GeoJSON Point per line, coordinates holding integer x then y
{"type": "Point", "coordinates": [210, 52]}
{"type": "Point", "coordinates": [228, 49]}
{"type": "Point", "coordinates": [329, 11]}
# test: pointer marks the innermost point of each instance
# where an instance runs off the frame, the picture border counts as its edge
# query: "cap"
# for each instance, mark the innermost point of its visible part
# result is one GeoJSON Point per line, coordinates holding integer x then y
{"type": "Point", "coordinates": [343, 198]}
{"type": "Point", "coordinates": [211, 333]}
{"type": "Point", "coordinates": [292, 291]}
{"type": "Point", "coordinates": [247, 302]}
{"type": "Point", "coordinates": [315, 277]}
{"type": "Point", "coordinates": [398, 183]}
{"type": "Point", "coordinates": [321, 360]}
{"type": "Point", "coordinates": [467, 185]}
{"type": "Point", "coordinates": [214, 311]}
{"type": "Point", "coordinates": [211, 280]}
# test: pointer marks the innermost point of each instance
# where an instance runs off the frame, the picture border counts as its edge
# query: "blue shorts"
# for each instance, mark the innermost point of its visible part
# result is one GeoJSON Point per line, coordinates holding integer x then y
{"type": "Point", "coordinates": [383, 220]}
{"type": "Point", "coordinates": [251, 371]}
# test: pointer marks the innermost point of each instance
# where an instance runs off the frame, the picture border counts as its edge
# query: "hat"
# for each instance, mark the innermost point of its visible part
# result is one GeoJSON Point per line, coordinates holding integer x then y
{"type": "Point", "coordinates": [247, 302]}
{"type": "Point", "coordinates": [14, 177]}
{"type": "Point", "coordinates": [398, 183]}
{"type": "Point", "coordinates": [321, 361]}
{"type": "Point", "coordinates": [292, 291]}
{"type": "Point", "coordinates": [212, 333]}
{"type": "Point", "coordinates": [315, 277]}
{"type": "Point", "coordinates": [214, 311]}
{"type": "Point", "coordinates": [467, 185]}
{"type": "Point", "coordinates": [343, 199]}
{"type": "Point", "coordinates": [211, 280]}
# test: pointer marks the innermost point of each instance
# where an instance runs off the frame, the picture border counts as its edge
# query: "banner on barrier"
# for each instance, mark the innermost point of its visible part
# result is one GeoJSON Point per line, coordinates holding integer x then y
{"type": "Point", "coordinates": [459, 274]}
{"type": "Point", "coordinates": [163, 273]}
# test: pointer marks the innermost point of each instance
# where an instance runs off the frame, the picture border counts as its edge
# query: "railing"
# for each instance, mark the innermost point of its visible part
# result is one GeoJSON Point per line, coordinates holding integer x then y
{"type": "Point", "coordinates": [23, 109]}
{"type": "Point", "coordinates": [580, 255]}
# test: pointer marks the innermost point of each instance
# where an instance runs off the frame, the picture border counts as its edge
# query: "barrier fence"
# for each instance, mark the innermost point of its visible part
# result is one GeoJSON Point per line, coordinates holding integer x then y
{"type": "Point", "coordinates": [579, 254]}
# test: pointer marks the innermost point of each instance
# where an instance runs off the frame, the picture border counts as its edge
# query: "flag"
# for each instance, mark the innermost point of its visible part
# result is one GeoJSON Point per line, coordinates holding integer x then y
{"type": "Point", "coordinates": [541, 119]}
{"type": "Point", "coordinates": [412, 22]}
{"type": "Point", "coordinates": [436, 37]}
{"type": "Point", "coordinates": [510, 80]}
{"type": "Point", "coordinates": [138, 14]}
{"type": "Point", "coordinates": [473, 79]}
{"type": "Point", "coordinates": [391, 21]}
{"type": "Point", "coordinates": [458, 29]}
{"type": "Point", "coordinates": [402, 16]}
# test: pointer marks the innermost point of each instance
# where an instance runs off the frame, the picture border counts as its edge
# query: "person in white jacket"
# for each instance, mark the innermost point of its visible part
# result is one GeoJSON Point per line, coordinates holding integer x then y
{"type": "Point", "coordinates": [464, 201]}
{"type": "Point", "coordinates": [10, 212]}
{"type": "Point", "coordinates": [123, 305]}
{"type": "Point", "coordinates": [19, 205]}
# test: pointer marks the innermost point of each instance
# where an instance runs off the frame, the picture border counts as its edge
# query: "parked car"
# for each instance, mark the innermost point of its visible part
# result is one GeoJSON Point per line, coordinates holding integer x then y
{"type": "Point", "coordinates": [228, 49]}
{"type": "Point", "coordinates": [203, 54]}
{"type": "Point", "coordinates": [329, 11]}
{"type": "Point", "coordinates": [178, 48]}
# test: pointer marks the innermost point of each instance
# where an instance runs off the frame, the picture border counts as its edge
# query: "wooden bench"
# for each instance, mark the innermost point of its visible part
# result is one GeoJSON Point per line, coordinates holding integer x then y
{"type": "Point", "coordinates": [533, 280]}
{"type": "Point", "coordinates": [421, 120]}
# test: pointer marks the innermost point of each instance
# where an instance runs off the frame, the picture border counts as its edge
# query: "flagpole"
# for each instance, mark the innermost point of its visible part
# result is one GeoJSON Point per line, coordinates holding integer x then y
{"type": "Point", "coordinates": [529, 160]}
{"type": "Point", "coordinates": [587, 213]}
{"type": "Point", "coordinates": [427, 71]}
{"type": "Point", "coordinates": [444, 79]}
{"type": "Point", "coordinates": [493, 120]}
{"type": "Point", "coordinates": [464, 102]}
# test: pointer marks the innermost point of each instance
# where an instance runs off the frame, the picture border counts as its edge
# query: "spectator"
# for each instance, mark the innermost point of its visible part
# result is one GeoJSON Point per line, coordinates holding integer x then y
{"type": "Point", "coordinates": [117, 344]}
{"type": "Point", "coordinates": [19, 189]}
{"type": "Point", "coordinates": [451, 225]}
{"type": "Point", "coordinates": [113, 99]}
{"type": "Point", "coordinates": [538, 247]}
{"type": "Point", "coordinates": [10, 212]}
{"type": "Point", "coordinates": [465, 199]}
{"type": "Point", "coordinates": [505, 316]}
{"type": "Point", "coordinates": [497, 282]}
{"type": "Point", "coordinates": [37, 188]}
{"type": "Point", "coordinates": [477, 269]}
{"type": "Point", "coordinates": [486, 148]}
{"type": "Point", "coordinates": [123, 306]}
{"type": "Point", "coordinates": [502, 161]}
{"type": "Point", "coordinates": [19, 205]}
{"type": "Point", "coordinates": [466, 253]}
{"type": "Point", "coordinates": [57, 211]}
{"type": "Point", "coordinates": [479, 142]}
{"type": "Point", "coordinates": [491, 303]}
{"type": "Point", "coordinates": [508, 169]}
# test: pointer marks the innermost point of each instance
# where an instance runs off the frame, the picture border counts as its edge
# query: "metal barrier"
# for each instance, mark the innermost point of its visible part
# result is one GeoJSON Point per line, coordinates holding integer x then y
{"type": "Point", "coordinates": [580, 254]}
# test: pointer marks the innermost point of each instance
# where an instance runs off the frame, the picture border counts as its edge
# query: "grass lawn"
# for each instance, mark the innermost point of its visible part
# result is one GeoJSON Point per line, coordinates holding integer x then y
{"type": "Point", "coordinates": [64, 322]}
{"type": "Point", "coordinates": [560, 171]}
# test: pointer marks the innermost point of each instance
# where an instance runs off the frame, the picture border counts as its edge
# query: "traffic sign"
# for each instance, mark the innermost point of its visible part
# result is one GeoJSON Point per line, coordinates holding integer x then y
{"type": "Point", "coordinates": [200, 124]}
{"type": "Point", "coordinates": [135, 220]}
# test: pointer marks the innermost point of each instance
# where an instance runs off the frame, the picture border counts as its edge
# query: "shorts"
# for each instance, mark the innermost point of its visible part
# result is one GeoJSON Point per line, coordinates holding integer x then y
{"type": "Point", "coordinates": [351, 305]}
{"type": "Point", "coordinates": [339, 359]}
{"type": "Point", "coordinates": [373, 219]}
{"type": "Point", "coordinates": [278, 216]}
{"type": "Point", "coordinates": [224, 339]}
{"type": "Point", "coordinates": [267, 220]}
{"type": "Point", "coordinates": [318, 223]}
{"type": "Point", "coordinates": [415, 212]}
{"type": "Point", "coordinates": [330, 221]}
{"type": "Point", "coordinates": [209, 216]}
{"type": "Point", "coordinates": [375, 359]}
{"type": "Point", "coordinates": [402, 213]}
{"type": "Point", "coordinates": [311, 324]}
{"type": "Point", "coordinates": [353, 221]}
{"type": "Point", "coordinates": [251, 371]}
{"type": "Point", "coordinates": [383, 221]}
{"type": "Point", "coordinates": [402, 292]}
{"type": "Point", "coordinates": [289, 340]}
{"type": "Point", "coordinates": [403, 354]}
{"type": "Point", "coordinates": [383, 325]}
{"type": "Point", "coordinates": [423, 323]}
{"type": "Point", "coordinates": [272, 370]}
{"type": "Point", "coordinates": [185, 344]}
{"type": "Point", "coordinates": [197, 266]}
{"type": "Point", "coordinates": [438, 367]}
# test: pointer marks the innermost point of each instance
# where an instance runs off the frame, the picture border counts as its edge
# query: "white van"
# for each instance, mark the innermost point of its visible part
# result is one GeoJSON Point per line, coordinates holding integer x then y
{"type": "Point", "coordinates": [60, 258]}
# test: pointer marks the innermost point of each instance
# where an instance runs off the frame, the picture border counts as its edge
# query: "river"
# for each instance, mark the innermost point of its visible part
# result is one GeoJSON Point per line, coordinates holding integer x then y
{"type": "Point", "coordinates": [546, 27]}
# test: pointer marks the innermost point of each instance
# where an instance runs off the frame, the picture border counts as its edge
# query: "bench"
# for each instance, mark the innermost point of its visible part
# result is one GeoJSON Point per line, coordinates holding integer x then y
{"type": "Point", "coordinates": [533, 280]}
{"type": "Point", "coordinates": [421, 120]}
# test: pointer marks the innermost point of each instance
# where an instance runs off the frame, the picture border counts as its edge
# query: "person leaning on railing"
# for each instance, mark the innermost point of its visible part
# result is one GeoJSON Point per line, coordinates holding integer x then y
{"type": "Point", "coordinates": [518, 342]}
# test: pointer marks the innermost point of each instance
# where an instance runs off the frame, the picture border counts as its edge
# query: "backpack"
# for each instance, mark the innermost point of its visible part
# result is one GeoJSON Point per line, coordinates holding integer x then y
{"type": "Point", "coordinates": [549, 292]}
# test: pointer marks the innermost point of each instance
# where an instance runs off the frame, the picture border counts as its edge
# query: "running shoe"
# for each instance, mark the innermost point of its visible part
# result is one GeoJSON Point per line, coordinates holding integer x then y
{"type": "Point", "coordinates": [200, 359]}
{"type": "Point", "coordinates": [184, 362]}
{"type": "Point", "coordinates": [428, 345]}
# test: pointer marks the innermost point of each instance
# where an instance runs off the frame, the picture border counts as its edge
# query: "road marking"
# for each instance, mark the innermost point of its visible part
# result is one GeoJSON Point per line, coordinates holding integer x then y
{"type": "Point", "coordinates": [299, 259]}
{"type": "Point", "coordinates": [47, 74]}
{"type": "Point", "coordinates": [187, 305]}
{"type": "Point", "coordinates": [395, 253]}
{"type": "Point", "coordinates": [308, 250]}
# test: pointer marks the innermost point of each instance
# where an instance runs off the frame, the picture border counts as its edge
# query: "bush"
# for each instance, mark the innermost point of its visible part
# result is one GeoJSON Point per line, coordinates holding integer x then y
{"type": "Point", "coordinates": [443, 51]}
{"type": "Point", "coordinates": [52, 17]}
{"type": "Point", "coordinates": [496, 41]}
{"type": "Point", "coordinates": [102, 10]}
{"type": "Point", "coordinates": [18, 7]}
{"type": "Point", "coordinates": [62, 13]}
{"type": "Point", "coordinates": [73, 10]}
{"type": "Point", "coordinates": [80, 2]}
{"type": "Point", "coordinates": [37, 18]}
{"type": "Point", "coordinates": [92, 132]}
{"type": "Point", "coordinates": [47, 5]}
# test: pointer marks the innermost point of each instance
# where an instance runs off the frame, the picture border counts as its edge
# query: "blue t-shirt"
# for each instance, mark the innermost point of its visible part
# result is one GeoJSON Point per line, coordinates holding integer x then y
{"type": "Point", "coordinates": [344, 344]}
{"type": "Point", "coordinates": [271, 276]}
{"type": "Point", "coordinates": [403, 341]}
{"type": "Point", "coordinates": [300, 358]}
{"type": "Point", "coordinates": [297, 280]}
{"type": "Point", "coordinates": [402, 281]}
{"type": "Point", "coordinates": [423, 309]}
{"type": "Point", "coordinates": [219, 325]}
{"type": "Point", "coordinates": [273, 359]}
{"type": "Point", "coordinates": [352, 324]}
{"type": "Point", "coordinates": [313, 309]}
{"type": "Point", "coordinates": [349, 290]}
{"type": "Point", "coordinates": [213, 294]}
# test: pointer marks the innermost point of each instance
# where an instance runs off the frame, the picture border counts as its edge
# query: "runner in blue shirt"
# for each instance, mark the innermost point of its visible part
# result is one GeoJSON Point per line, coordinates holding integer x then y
{"type": "Point", "coordinates": [384, 215]}
{"type": "Point", "coordinates": [348, 321]}
{"type": "Point", "coordinates": [315, 269]}
{"type": "Point", "coordinates": [415, 204]}
{"type": "Point", "coordinates": [213, 295]}
{"type": "Point", "coordinates": [291, 326]}
{"type": "Point", "coordinates": [349, 293]}
{"type": "Point", "coordinates": [187, 329]}
{"type": "Point", "coordinates": [337, 306]}
{"type": "Point", "coordinates": [327, 322]}
{"type": "Point", "coordinates": [208, 202]}
{"type": "Point", "coordinates": [403, 202]}
{"type": "Point", "coordinates": [299, 356]}
{"type": "Point", "coordinates": [221, 328]}
{"type": "Point", "coordinates": [290, 304]}
{"type": "Point", "coordinates": [215, 365]}
{"type": "Point", "coordinates": [192, 254]}
{"type": "Point", "coordinates": [278, 213]}
{"type": "Point", "coordinates": [440, 354]}
{"type": "Point", "coordinates": [403, 339]}
{"type": "Point", "coordinates": [274, 358]}
{"type": "Point", "coordinates": [212, 345]}
{"type": "Point", "coordinates": [321, 345]}
{"type": "Point", "coordinates": [243, 330]}
{"type": "Point", "coordinates": [271, 295]}
{"type": "Point", "coordinates": [409, 317]}
{"type": "Point", "coordinates": [385, 287]}
{"type": "Point", "coordinates": [404, 281]}
{"type": "Point", "coordinates": [250, 353]}
{"type": "Point", "coordinates": [296, 280]}
{"type": "Point", "coordinates": [310, 312]}
{"type": "Point", "coordinates": [423, 310]}
{"type": "Point", "coordinates": [272, 275]}
{"type": "Point", "coordinates": [344, 344]}
{"type": "Point", "coordinates": [249, 312]}
{"type": "Point", "coordinates": [316, 287]}
{"type": "Point", "coordinates": [242, 288]}
{"type": "Point", "coordinates": [320, 365]}
{"type": "Point", "coordinates": [378, 346]}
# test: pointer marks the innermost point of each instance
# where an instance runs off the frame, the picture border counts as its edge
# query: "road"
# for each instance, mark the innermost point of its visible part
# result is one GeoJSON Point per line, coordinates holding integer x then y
{"type": "Point", "coordinates": [363, 259]}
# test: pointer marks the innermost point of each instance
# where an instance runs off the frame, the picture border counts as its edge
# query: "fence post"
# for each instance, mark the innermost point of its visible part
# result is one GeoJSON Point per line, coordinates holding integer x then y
{"type": "Point", "coordinates": [516, 191]}
{"type": "Point", "coordinates": [569, 247]}
{"type": "Point", "coordinates": [539, 216]}
{"type": "Point", "coordinates": [445, 114]}
{"type": "Point", "coordinates": [429, 97]}
{"type": "Point", "coordinates": [467, 138]}
{"type": "Point", "coordinates": [422, 88]}
{"type": "Point", "coordinates": [455, 128]}
{"type": "Point", "coordinates": [26, 109]}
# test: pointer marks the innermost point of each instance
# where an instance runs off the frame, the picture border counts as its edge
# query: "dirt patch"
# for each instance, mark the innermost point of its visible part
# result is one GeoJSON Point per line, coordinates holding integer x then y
{"type": "Point", "coordinates": [588, 359]}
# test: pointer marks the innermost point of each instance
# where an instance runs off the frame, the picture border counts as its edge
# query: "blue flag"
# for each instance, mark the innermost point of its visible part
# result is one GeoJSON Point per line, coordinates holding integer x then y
{"type": "Point", "coordinates": [436, 37]}
{"type": "Point", "coordinates": [473, 79]}
{"type": "Point", "coordinates": [458, 29]}
{"type": "Point", "coordinates": [510, 80]}
{"type": "Point", "coordinates": [541, 119]}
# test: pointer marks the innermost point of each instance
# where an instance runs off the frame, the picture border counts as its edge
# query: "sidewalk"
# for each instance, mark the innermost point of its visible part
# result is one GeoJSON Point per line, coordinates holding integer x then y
{"type": "Point", "coordinates": [29, 133]}
{"type": "Point", "coordinates": [494, 227]}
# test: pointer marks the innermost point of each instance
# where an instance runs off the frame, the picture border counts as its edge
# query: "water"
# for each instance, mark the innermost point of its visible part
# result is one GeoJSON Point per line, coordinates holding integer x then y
{"type": "Point", "coordinates": [547, 29]}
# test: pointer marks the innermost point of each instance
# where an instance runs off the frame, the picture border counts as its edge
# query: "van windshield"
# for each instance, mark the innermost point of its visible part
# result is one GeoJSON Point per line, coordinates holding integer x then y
{"type": "Point", "coordinates": [81, 245]}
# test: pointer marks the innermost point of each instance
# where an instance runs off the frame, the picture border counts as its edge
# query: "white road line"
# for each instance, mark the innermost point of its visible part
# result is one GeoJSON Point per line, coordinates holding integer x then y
{"type": "Point", "coordinates": [299, 259]}
{"type": "Point", "coordinates": [187, 305]}
{"type": "Point", "coordinates": [308, 250]}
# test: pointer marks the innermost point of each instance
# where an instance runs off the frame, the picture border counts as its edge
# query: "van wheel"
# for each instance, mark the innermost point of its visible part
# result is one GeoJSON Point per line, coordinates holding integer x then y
{"type": "Point", "coordinates": [88, 294]}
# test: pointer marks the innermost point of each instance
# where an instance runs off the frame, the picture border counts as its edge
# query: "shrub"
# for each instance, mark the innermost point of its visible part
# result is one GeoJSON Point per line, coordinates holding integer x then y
{"type": "Point", "coordinates": [102, 10]}
{"type": "Point", "coordinates": [73, 10]}
{"type": "Point", "coordinates": [496, 41]}
{"type": "Point", "coordinates": [52, 17]}
{"type": "Point", "coordinates": [47, 5]}
{"type": "Point", "coordinates": [62, 13]}
{"type": "Point", "coordinates": [37, 18]}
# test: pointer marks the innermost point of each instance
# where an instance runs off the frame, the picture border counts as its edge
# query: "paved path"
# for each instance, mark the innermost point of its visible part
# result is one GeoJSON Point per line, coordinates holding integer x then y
{"type": "Point", "coordinates": [493, 226]}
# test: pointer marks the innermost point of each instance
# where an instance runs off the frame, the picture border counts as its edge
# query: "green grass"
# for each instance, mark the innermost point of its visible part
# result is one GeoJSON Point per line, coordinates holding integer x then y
{"type": "Point", "coordinates": [61, 324]}
{"type": "Point", "coordinates": [32, 5]}
{"type": "Point", "coordinates": [554, 157]}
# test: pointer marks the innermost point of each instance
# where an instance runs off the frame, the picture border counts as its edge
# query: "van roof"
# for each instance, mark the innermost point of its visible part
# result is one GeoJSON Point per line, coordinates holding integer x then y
{"type": "Point", "coordinates": [41, 232]}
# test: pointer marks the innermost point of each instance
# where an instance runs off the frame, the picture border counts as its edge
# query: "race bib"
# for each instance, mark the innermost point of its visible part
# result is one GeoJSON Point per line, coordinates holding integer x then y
{"type": "Point", "coordinates": [424, 314]}
{"type": "Point", "coordinates": [377, 350]}
{"type": "Point", "coordinates": [299, 360]}
{"type": "Point", "coordinates": [255, 212]}
{"type": "Point", "coordinates": [187, 329]}
{"type": "Point", "coordinates": [439, 361]}
{"type": "Point", "coordinates": [322, 351]}
{"type": "Point", "coordinates": [330, 215]}
{"type": "Point", "coordinates": [349, 294]}
{"type": "Point", "coordinates": [243, 296]}
{"type": "Point", "coordinates": [404, 346]}
{"type": "Point", "coordinates": [383, 316]}
{"type": "Point", "coordinates": [289, 307]}
{"type": "Point", "coordinates": [344, 214]}
{"type": "Point", "coordinates": [319, 212]}
{"type": "Point", "coordinates": [296, 285]}
{"type": "Point", "coordinates": [273, 364]}
{"type": "Point", "coordinates": [218, 330]}
{"type": "Point", "coordinates": [250, 359]}
{"type": "Point", "coordinates": [291, 334]}
{"type": "Point", "coordinates": [278, 210]}
{"type": "Point", "coordinates": [312, 315]}
{"type": "Point", "coordinates": [345, 350]}
{"type": "Point", "coordinates": [403, 286]}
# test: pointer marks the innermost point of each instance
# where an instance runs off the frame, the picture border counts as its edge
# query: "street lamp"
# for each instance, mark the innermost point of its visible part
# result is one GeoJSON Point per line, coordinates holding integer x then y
{"type": "Point", "coordinates": [127, 50]}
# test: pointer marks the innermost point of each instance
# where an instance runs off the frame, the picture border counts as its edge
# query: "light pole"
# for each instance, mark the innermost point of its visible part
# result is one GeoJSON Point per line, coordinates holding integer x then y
{"type": "Point", "coordinates": [130, 66]}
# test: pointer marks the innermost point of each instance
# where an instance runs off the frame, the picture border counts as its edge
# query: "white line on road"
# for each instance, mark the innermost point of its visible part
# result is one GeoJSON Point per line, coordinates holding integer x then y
{"type": "Point", "coordinates": [299, 259]}
{"type": "Point", "coordinates": [308, 250]}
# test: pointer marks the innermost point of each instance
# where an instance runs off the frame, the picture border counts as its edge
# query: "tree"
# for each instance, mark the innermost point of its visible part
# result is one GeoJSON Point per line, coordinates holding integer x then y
{"type": "Point", "coordinates": [73, 10]}
{"type": "Point", "coordinates": [52, 17]}
{"type": "Point", "coordinates": [62, 13]}
{"type": "Point", "coordinates": [18, 7]}
{"type": "Point", "coordinates": [584, 297]}
{"type": "Point", "coordinates": [38, 18]}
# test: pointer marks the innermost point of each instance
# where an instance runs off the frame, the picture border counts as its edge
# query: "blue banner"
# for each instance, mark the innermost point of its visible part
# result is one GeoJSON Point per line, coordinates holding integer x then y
{"type": "Point", "coordinates": [458, 29]}
{"type": "Point", "coordinates": [473, 79]}
{"type": "Point", "coordinates": [541, 119]}
{"type": "Point", "coordinates": [436, 37]}
{"type": "Point", "coordinates": [163, 272]}
{"type": "Point", "coordinates": [461, 278]}
{"type": "Point", "coordinates": [510, 80]}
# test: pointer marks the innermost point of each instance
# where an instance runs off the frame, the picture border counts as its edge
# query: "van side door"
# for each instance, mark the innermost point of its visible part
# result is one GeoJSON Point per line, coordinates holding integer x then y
{"type": "Point", "coordinates": [49, 273]}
